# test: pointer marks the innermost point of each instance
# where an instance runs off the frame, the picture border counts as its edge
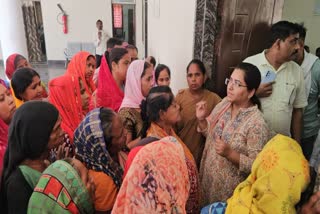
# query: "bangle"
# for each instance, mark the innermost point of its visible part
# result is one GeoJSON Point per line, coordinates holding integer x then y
{"type": "Point", "coordinates": [202, 130]}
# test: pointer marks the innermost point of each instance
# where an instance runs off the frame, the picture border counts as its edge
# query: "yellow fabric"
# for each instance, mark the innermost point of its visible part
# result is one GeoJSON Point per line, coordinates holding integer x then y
{"type": "Point", "coordinates": [288, 92]}
{"type": "Point", "coordinates": [278, 176]}
{"type": "Point", "coordinates": [16, 100]}
{"type": "Point", "coordinates": [105, 191]}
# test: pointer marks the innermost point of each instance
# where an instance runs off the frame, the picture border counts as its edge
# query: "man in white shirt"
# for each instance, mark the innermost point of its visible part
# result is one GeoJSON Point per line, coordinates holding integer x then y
{"type": "Point", "coordinates": [100, 41]}
{"type": "Point", "coordinates": [284, 97]}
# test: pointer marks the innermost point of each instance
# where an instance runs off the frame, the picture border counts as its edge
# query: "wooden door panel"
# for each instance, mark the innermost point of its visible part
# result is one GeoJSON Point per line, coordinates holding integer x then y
{"type": "Point", "coordinates": [244, 31]}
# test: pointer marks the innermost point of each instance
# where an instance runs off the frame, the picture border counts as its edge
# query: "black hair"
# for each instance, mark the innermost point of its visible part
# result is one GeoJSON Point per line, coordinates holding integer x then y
{"type": "Point", "coordinates": [318, 52]}
{"type": "Point", "coordinates": [160, 68]}
{"type": "Point", "coordinates": [200, 65]}
{"type": "Point", "coordinates": [17, 59]}
{"type": "Point", "coordinates": [302, 31]}
{"type": "Point", "coordinates": [99, 21]}
{"type": "Point", "coordinates": [145, 67]}
{"type": "Point", "coordinates": [115, 55]}
{"type": "Point", "coordinates": [159, 98]}
{"type": "Point", "coordinates": [132, 47]}
{"type": "Point", "coordinates": [21, 79]}
{"type": "Point", "coordinates": [113, 42]}
{"type": "Point", "coordinates": [106, 116]}
{"type": "Point", "coordinates": [153, 61]}
{"type": "Point", "coordinates": [282, 30]}
{"type": "Point", "coordinates": [252, 79]}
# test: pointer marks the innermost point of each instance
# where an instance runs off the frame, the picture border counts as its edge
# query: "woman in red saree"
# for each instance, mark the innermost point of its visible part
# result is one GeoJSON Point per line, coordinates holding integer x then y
{"type": "Point", "coordinates": [69, 96]}
{"type": "Point", "coordinates": [111, 83]}
{"type": "Point", "coordinates": [83, 65]}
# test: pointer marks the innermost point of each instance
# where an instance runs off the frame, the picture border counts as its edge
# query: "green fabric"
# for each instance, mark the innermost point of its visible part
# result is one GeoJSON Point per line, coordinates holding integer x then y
{"type": "Point", "coordinates": [311, 122]}
{"type": "Point", "coordinates": [60, 174]}
{"type": "Point", "coordinates": [32, 176]}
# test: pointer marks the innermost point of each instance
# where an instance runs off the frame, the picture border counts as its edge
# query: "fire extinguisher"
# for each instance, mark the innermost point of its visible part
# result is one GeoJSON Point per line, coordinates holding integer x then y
{"type": "Point", "coordinates": [65, 24]}
{"type": "Point", "coordinates": [64, 19]}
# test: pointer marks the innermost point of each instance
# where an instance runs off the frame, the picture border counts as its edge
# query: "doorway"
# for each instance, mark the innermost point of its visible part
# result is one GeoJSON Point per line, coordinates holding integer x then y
{"type": "Point", "coordinates": [123, 22]}
{"type": "Point", "coordinates": [32, 16]}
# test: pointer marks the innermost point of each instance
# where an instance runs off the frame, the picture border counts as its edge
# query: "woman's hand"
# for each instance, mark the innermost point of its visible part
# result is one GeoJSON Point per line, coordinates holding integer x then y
{"type": "Point", "coordinates": [62, 151]}
{"type": "Point", "coordinates": [312, 206]}
{"type": "Point", "coordinates": [201, 110]}
{"type": "Point", "coordinates": [223, 149]}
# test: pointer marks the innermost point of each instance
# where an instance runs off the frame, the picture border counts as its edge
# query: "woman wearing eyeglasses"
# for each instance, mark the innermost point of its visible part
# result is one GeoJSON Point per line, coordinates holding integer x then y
{"type": "Point", "coordinates": [235, 133]}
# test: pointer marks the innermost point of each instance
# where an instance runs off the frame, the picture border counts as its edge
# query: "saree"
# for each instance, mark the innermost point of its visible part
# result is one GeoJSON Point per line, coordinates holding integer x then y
{"type": "Point", "coordinates": [60, 190]}
{"type": "Point", "coordinates": [157, 181]}
{"type": "Point", "coordinates": [77, 68]}
{"type": "Point", "coordinates": [108, 93]}
{"type": "Point", "coordinates": [192, 205]}
{"type": "Point", "coordinates": [3, 142]}
{"type": "Point", "coordinates": [278, 176]}
{"type": "Point", "coordinates": [65, 96]}
{"type": "Point", "coordinates": [187, 127]}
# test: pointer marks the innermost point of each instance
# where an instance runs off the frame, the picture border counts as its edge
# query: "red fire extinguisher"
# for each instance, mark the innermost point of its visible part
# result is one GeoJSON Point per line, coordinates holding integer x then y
{"type": "Point", "coordinates": [65, 23]}
{"type": "Point", "coordinates": [64, 19]}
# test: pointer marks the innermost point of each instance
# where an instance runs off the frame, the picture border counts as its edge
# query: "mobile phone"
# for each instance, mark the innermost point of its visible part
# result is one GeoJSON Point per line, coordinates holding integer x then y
{"type": "Point", "coordinates": [269, 77]}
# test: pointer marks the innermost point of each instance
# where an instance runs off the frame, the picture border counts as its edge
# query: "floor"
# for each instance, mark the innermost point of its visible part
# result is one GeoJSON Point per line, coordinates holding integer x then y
{"type": "Point", "coordinates": [46, 72]}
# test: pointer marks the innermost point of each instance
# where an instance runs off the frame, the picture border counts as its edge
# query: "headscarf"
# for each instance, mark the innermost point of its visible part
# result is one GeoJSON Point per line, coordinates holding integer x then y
{"type": "Point", "coordinates": [29, 133]}
{"type": "Point", "coordinates": [279, 175]}
{"type": "Point", "coordinates": [66, 97]}
{"type": "Point", "coordinates": [77, 68]}
{"type": "Point", "coordinates": [132, 92]}
{"type": "Point", "coordinates": [3, 137]}
{"type": "Point", "coordinates": [91, 147]}
{"type": "Point", "coordinates": [157, 181]}
{"type": "Point", "coordinates": [60, 190]}
{"type": "Point", "coordinates": [11, 64]}
{"type": "Point", "coordinates": [109, 95]}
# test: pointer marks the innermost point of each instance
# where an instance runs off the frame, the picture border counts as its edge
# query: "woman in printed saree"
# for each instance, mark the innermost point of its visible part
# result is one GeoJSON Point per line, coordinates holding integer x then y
{"type": "Point", "coordinates": [138, 84]}
{"type": "Point", "coordinates": [279, 175]}
{"type": "Point", "coordinates": [111, 82]}
{"type": "Point", "coordinates": [69, 96]}
{"type": "Point", "coordinates": [160, 113]}
{"type": "Point", "coordinates": [157, 181]}
{"type": "Point", "coordinates": [15, 62]}
{"type": "Point", "coordinates": [98, 139]}
{"type": "Point", "coordinates": [26, 85]}
{"type": "Point", "coordinates": [34, 130]}
{"type": "Point", "coordinates": [64, 187]}
{"type": "Point", "coordinates": [7, 109]}
{"type": "Point", "coordinates": [83, 65]}
{"type": "Point", "coordinates": [236, 132]}
{"type": "Point", "coordinates": [187, 99]}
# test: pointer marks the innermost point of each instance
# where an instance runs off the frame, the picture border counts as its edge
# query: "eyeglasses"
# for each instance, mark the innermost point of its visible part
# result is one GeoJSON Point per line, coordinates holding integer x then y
{"type": "Point", "coordinates": [236, 83]}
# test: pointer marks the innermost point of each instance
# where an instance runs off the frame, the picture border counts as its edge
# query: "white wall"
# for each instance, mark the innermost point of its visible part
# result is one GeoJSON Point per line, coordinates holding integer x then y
{"type": "Point", "coordinates": [171, 36]}
{"type": "Point", "coordinates": [82, 17]}
{"type": "Point", "coordinates": [302, 11]}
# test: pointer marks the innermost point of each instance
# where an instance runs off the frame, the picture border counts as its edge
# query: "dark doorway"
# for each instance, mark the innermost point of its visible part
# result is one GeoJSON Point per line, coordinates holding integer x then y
{"type": "Point", "coordinates": [123, 24]}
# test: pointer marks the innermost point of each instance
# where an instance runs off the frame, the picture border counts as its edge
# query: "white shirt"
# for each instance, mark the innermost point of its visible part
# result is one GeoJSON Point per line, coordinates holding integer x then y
{"type": "Point", "coordinates": [288, 92]}
{"type": "Point", "coordinates": [101, 44]}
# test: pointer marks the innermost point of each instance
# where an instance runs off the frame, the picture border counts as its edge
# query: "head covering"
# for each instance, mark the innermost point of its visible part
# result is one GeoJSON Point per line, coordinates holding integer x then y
{"type": "Point", "coordinates": [77, 68]}
{"type": "Point", "coordinates": [279, 175]}
{"type": "Point", "coordinates": [11, 64]}
{"type": "Point", "coordinates": [132, 93]}
{"type": "Point", "coordinates": [60, 190]}
{"type": "Point", "coordinates": [108, 94]}
{"type": "Point", "coordinates": [91, 147]}
{"type": "Point", "coordinates": [3, 136]}
{"type": "Point", "coordinates": [29, 133]}
{"type": "Point", "coordinates": [66, 97]}
{"type": "Point", "coordinates": [157, 181]}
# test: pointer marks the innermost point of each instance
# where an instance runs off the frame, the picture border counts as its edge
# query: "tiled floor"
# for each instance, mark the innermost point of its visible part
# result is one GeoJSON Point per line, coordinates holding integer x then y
{"type": "Point", "coordinates": [46, 72]}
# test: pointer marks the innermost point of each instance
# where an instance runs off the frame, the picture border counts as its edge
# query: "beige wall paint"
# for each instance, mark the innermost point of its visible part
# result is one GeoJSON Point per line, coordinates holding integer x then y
{"type": "Point", "coordinates": [171, 36]}
{"type": "Point", "coordinates": [302, 11]}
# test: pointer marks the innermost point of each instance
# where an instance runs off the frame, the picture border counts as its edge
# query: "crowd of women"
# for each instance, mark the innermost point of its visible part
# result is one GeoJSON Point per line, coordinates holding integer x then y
{"type": "Point", "coordinates": [126, 144]}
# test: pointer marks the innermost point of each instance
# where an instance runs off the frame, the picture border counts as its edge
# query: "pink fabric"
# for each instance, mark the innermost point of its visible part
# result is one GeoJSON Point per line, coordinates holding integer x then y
{"type": "Point", "coordinates": [108, 93]}
{"type": "Point", "coordinates": [3, 142]}
{"type": "Point", "coordinates": [10, 67]}
{"type": "Point", "coordinates": [132, 92]}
